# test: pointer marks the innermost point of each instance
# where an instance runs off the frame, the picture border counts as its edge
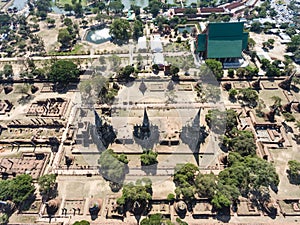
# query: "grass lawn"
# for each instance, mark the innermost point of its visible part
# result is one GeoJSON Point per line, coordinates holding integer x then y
{"type": "Point", "coordinates": [2, 4]}
{"type": "Point", "coordinates": [77, 50]}
{"type": "Point", "coordinates": [175, 47]}
{"type": "Point", "coordinates": [181, 61]}
{"type": "Point", "coordinates": [61, 3]}
{"type": "Point", "coordinates": [280, 2]}
{"type": "Point", "coordinates": [267, 95]}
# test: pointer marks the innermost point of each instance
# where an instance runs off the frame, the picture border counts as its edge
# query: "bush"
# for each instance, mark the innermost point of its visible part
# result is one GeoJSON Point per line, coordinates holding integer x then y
{"type": "Point", "coordinates": [294, 172]}
{"type": "Point", "coordinates": [34, 89]}
{"type": "Point", "coordinates": [232, 93]}
{"type": "Point", "coordinates": [4, 219]}
{"type": "Point", "coordinates": [171, 197]}
{"type": "Point", "coordinates": [148, 158]}
{"type": "Point", "coordinates": [289, 117]}
{"type": "Point", "coordinates": [8, 89]}
{"type": "Point", "coordinates": [180, 222]}
{"type": "Point", "coordinates": [231, 73]}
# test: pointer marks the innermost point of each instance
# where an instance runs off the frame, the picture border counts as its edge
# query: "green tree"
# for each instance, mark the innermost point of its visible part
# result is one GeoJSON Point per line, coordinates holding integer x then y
{"type": "Point", "coordinates": [231, 73]}
{"type": "Point", "coordinates": [18, 190]}
{"type": "Point", "coordinates": [120, 30]}
{"type": "Point", "coordinates": [149, 157]}
{"type": "Point", "coordinates": [249, 96]}
{"type": "Point", "coordinates": [68, 7]}
{"type": "Point", "coordinates": [8, 70]}
{"type": "Point", "coordinates": [116, 6]}
{"type": "Point", "coordinates": [154, 7]}
{"type": "Point", "coordinates": [206, 185]}
{"type": "Point", "coordinates": [216, 67]}
{"type": "Point", "coordinates": [243, 142]}
{"type": "Point", "coordinates": [251, 71]}
{"type": "Point", "coordinates": [115, 62]}
{"type": "Point", "coordinates": [136, 9]}
{"type": "Point", "coordinates": [140, 192]}
{"type": "Point", "coordinates": [171, 197]}
{"type": "Point", "coordinates": [293, 46]}
{"type": "Point", "coordinates": [156, 219]}
{"type": "Point", "coordinates": [240, 72]}
{"type": "Point", "coordinates": [256, 27]}
{"type": "Point", "coordinates": [220, 121]}
{"type": "Point", "coordinates": [78, 10]}
{"type": "Point", "coordinates": [251, 43]}
{"type": "Point", "coordinates": [126, 72]}
{"type": "Point", "coordinates": [220, 201]}
{"type": "Point", "coordinates": [294, 171]}
{"type": "Point", "coordinates": [68, 22]}
{"type": "Point", "coordinates": [47, 184]}
{"type": "Point", "coordinates": [82, 222]}
{"type": "Point", "coordinates": [64, 38]}
{"type": "Point", "coordinates": [123, 158]}
{"type": "Point", "coordinates": [225, 195]}
{"type": "Point", "coordinates": [184, 179]}
{"type": "Point", "coordinates": [137, 29]}
{"type": "Point", "coordinates": [248, 174]}
{"type": "Point", "coordinates": [50, 22]}
{"type": "Point", "coordinates": [290, 31]}
{"type": "Point", "coordinates": [232, 93]}
{"type": "Point", "coordinates": [190, 11]}
{"type": "Point", "coordinates": [63, 71]}
{"type": "Point", "coordinates": [43, 7]}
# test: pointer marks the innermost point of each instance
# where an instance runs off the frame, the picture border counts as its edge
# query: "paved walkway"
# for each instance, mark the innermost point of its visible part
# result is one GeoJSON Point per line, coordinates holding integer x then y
{"type": "Point", "coordinates": [125, 55]}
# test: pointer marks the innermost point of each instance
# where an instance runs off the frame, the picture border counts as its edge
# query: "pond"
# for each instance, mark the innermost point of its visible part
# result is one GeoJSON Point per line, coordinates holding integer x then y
{"type": "Point", "coordinates": [145, 3]}
{"type": "Point", "coordinates": [187, 28]}
{"type": "Point", "coordinates": [19, 4]}
{"type": "Point", "coordinates": [56, 9]}
{"type": "Point", "coordinates": [98, 36]}
{"type": "Point", "coordinates": [141, 3]}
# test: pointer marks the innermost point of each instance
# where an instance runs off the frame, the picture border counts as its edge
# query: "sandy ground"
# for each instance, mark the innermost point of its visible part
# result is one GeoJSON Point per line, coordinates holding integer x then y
{"type": "Point", "coordinates": [277, 52]}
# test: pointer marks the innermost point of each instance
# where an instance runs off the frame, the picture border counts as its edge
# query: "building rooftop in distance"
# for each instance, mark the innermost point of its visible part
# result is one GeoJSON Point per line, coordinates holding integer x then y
{"type": "Point", "coordinates": [142, 43]}
{"type": "Point", "coordinates": [156, 45]}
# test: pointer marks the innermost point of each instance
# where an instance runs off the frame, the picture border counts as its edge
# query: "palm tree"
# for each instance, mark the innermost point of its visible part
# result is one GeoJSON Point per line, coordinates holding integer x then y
{"type": "Point", "coordinates": [298, 124]}
{"type": "Point", "coordinates": [277, 101]}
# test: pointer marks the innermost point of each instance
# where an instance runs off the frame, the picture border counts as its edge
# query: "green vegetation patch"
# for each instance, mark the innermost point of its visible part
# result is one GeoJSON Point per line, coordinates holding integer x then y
{"type": "Point", "coordinates": [61, 3]}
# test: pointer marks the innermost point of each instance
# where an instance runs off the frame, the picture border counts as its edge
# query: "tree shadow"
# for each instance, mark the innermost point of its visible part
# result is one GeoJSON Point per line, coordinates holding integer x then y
{"type": "Point", "coordinates": [232, 99]}
{"type": "Point", "coordinates": [223, 215]}
{"type": "Point", "coordinates": [147, 142]}
{"type": "Point", "coordinates": [25, 99]}
{"type": "Point", "coordinates": [295, 180]}
{"type": "Point", "coordinates": [119, 42]}
{"type": "Point", "coordinates": [193, 134]}
{"type": "Point", "coordinates": [25, 206]}
{"type": "Point", "coordinates": [138, 218]}
{"type": "Point", "coordinates": [295, 88]}
{"type": "Point", "coordinates": [150, 170]}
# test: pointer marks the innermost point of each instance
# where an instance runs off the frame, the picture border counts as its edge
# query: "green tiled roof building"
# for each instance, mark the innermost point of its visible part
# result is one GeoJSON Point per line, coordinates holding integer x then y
{"type": "Point", "coordinates": [223, 41]}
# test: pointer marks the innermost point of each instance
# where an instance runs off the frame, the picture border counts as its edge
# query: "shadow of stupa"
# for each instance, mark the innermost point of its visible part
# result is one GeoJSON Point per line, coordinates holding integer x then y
{"type": "Point", "coordinates": [146, 135]}
{"type": "Point", "coordinates": [194, 135]}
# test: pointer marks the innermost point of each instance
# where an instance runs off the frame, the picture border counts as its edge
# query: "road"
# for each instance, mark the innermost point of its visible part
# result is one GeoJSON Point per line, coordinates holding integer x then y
{"type": "Point", "coordinates": [40, 58]}
{"type": "Point", "coordinates": [133, 172]}
{"type": "Point", "coordinates": [58, 156]}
